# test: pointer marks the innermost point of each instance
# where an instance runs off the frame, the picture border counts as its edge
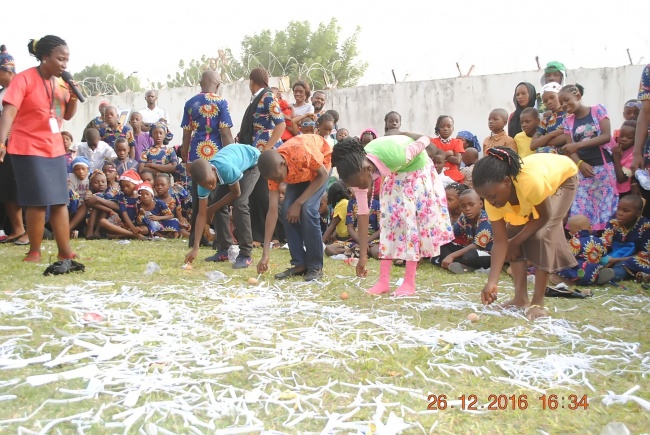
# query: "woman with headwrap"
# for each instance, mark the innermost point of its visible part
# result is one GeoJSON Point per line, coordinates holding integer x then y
{"type": "Point", "coordinates": [525, 96]}
{"type": "Point", "coordinates": [469, 140]}
{"type": "Point", "coordinates": [35, 106]}
{"type": "Point", "coordinates": [261, 127]}
{"type": "Point", "coordinates": [8, 196]}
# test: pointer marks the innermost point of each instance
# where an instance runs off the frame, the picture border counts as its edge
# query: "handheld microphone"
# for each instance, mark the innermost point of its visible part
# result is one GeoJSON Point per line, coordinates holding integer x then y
{"type": "Point", "coordinates": [67, 77]}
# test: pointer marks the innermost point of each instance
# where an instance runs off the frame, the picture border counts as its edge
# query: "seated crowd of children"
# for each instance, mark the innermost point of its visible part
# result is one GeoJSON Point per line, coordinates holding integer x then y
{"type": "Point", "coordinates": [125, 183]}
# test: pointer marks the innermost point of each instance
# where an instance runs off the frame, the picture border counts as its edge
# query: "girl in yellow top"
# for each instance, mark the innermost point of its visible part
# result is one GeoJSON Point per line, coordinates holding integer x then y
{"type": "Point", "coordinates": [526, 201]}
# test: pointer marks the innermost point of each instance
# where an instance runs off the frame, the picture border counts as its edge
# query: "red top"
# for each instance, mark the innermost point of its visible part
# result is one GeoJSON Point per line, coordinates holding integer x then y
{"type": "Point", "coordinates": [455, 145]}
{"type": "Point", "coordinates": [31, 134]}
{"type": "Point", "coordinates": [304, 154]}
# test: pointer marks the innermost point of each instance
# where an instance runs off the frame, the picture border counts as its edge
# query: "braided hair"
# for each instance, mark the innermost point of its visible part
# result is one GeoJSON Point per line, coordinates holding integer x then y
{"type": "Point", "coordinates": [348, 157]}
{"type": "Point", "coordinates": [575, 89]}
{"type": "Point", "coordinates": [40, 48]}
{"type": "Point", "coordinates": [458, 187]}
{"type": "Point", "coordinates": [336, 193]}
{"type": "Point", "coordinates": [498, 163]}
{"type": "Point", "coordinates": [440, 119]}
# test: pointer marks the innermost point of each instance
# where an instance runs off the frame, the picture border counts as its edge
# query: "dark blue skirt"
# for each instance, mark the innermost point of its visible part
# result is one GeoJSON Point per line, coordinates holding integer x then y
{"type": "Point", "coordinates": [40, 181]}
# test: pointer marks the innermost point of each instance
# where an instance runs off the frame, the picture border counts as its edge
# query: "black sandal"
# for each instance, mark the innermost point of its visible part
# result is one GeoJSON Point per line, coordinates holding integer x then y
{"type": "Point", "coordinates": [12, 239]}
{"type": "Point", "coordinates": [290, 273]}
{"type": "Point", "coordinates": [562, 292]}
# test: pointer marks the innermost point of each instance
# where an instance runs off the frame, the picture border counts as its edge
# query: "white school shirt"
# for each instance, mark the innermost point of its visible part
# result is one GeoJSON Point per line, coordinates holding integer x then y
{"type": "Point", "coordinates": [101, 154]}
{"type": "Point", "coordinates": [151, 116]}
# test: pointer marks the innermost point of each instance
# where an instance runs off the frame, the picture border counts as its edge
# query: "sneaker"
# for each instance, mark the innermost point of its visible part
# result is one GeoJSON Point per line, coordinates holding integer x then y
{"type": "Point", "coordinates": [220, 256]}
{"type": "Point", "coordinates": [457, 268]}
{"type": "Point", "coordinates": [291, 272]}
{"type": "Point", "coordinates": [313, 275]}
{"type": "Point", "coordinates": [242, 262]}
{"type": "Point", "coordinates": [605, 275]}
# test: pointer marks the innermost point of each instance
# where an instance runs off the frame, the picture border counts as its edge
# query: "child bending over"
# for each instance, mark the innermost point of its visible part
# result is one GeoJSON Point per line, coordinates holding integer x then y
{"type": "Point", "coordinates": [527, 200]}
{"type": "Point", "coordinates": [414, 220]}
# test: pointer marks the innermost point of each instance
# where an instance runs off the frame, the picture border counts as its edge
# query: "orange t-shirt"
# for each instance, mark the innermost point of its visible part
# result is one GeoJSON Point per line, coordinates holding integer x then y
{"type": "Point", "coordinates": [304, 155]}
{"type": "Point", "coordinates": [455, 145]}
{"type": "Point", "coordinates": [31, 134]}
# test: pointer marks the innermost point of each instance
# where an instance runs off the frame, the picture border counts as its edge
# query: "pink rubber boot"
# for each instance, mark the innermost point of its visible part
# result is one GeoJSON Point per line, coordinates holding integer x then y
{"type": "Point", "coordinates": [382, 285]}
{"type": "Point", "coordinates": [408, 286]}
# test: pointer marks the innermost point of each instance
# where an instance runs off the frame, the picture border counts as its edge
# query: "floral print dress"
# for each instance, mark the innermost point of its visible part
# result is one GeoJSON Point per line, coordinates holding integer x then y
{"type": "Point", "coordinates": [588, 251]}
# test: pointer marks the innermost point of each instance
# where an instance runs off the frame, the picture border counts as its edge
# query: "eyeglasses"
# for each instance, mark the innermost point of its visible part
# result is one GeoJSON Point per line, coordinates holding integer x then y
{"type": "Point", "coordinates": [309, 124]}
{"type": "Point", "coordinates": [636, 104]}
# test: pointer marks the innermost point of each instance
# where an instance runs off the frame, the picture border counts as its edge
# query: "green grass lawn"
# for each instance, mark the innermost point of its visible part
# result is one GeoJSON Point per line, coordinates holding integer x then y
{"type": "Point", "coordinates": [179, 353]}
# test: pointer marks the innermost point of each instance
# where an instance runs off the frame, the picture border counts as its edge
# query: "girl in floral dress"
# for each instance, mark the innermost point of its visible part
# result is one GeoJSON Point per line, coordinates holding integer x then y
{"type": "Point", "coordinates": [588, 134]}
{"type": "Point", "coordinates": [414, 220]}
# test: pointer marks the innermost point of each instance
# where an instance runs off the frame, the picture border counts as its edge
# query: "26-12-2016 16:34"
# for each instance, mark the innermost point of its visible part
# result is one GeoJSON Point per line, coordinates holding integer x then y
{"type": "Point", "coordinates": [503, 402]}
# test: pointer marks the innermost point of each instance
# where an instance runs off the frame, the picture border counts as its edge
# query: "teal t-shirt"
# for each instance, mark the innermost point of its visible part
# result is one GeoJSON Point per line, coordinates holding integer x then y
{"type": "Point", "coordinates": [230, 162]}
{"type": "Point", "coordinates": [391, 150]}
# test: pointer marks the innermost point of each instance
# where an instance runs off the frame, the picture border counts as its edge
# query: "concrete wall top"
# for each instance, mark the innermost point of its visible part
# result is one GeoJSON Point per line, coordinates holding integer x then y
{"type": "Point", "coordinates": [467, 99]}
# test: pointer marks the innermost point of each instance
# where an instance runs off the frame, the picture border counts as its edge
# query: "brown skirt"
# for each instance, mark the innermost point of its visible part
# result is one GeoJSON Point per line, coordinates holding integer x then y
{"type": "Point", "coordinates": [548, 249]}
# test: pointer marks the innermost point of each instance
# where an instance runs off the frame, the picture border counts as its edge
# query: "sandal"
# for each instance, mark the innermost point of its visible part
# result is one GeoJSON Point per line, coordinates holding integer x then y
{"type": "Point", "coordinates": [72, 256]}
{"type": "Point", "coordinates": [399, 263]}
{"type": "Point", "coordinates": [32, 257]}
{"type": "Point", "coordinates": [290, 273]}
{"type": "Point", "coordinates": [11, 239]}
{"type": "Point", "coordinates": [562, 291]}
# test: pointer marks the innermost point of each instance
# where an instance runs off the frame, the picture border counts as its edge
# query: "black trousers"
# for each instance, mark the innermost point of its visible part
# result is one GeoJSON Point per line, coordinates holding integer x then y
{"type": "Point", "coordinates": [471, 258]}
{"type": "Point", "coordinates": [240, 213]}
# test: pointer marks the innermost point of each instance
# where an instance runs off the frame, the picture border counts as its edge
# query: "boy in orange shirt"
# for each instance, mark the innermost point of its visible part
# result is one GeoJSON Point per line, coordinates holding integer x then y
{"type": "Point", "coordinates": [497, 121]}
{"type": "Point", "coordinates": [303, 163]}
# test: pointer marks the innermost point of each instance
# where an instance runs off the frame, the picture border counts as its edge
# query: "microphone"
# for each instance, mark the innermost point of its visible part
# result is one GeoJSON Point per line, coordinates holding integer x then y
{"type": "Point", "coordinates": [67, 77]}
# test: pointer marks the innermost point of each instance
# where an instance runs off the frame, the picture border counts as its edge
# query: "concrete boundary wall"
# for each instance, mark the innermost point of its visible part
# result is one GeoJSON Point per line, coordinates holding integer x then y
{"type": "Point", "coordinates": [467, 99]}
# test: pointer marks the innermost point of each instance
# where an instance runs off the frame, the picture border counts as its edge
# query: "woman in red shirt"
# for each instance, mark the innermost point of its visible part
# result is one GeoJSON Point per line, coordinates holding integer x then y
{"type": "Point", "coordinates": [34, 107]}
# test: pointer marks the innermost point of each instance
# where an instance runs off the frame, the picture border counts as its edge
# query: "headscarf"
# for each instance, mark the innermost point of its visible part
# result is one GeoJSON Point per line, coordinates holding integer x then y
{"type": "Point", "coordinates": [369, 130]}
{"type": "Point", "coordinates": [514, 124]}
{"type": "Point", "coordinates": [146, 186]}
{"type": "Point", "coordinates": [551, 87]}
{"type": "Point", "coordinates": [131, 176]}
{"type": "Point", "coordinates": [554, 66]}
{"type": "Point", "coordinates": [80, 161]}
{"type": "Point", "coordinates": [7, 63]}
{"type": "Point", "coordinates": [471, 138]}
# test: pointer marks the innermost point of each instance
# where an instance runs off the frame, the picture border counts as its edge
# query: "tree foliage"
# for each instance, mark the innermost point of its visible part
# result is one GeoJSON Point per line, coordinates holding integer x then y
{"type": "Point", "coordinates": [300, 53]}
{"type": "Point", "coordinates": [190, 74]}
{"type": "Point", "coordinates": [297, 52]}
{"type": "Point", "coordinates": [106, 80]}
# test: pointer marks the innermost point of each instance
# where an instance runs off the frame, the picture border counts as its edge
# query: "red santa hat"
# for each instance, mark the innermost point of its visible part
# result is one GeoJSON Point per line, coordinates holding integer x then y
{"type": "Point", "coordinates": [146, 186]}
{"type": "Point", "coordinates": [131, 176]}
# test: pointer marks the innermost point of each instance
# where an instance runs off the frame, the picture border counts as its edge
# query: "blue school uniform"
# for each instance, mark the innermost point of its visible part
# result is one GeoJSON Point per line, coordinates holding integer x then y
{"type": "Point", "coordinates": [373, 215]}
{"type": "Point", "coordinates": [588, 251]}
{"type": "Point", "coordinates": [622, 242]}
{"type": "Point", "coordinates": [205, 115]}
{"type": "Point", "coordinates": [480, 234]}
{"type": "Point", "coordinates": [170, 225]}
{"type": "Point", "coordinates": [159, 156]}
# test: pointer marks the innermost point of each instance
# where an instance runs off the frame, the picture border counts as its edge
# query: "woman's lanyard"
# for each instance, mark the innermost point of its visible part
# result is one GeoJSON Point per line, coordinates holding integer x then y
{"type": "Point", "coordinates": [54, 124]}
